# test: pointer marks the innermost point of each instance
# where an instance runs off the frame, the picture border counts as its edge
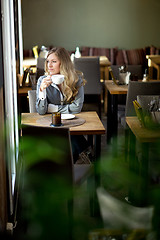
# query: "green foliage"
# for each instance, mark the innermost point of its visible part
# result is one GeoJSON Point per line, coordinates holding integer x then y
{"type": "Point", "coordinates": [45, 196]}
{"type": "Point", "coordinates": [34, 150]}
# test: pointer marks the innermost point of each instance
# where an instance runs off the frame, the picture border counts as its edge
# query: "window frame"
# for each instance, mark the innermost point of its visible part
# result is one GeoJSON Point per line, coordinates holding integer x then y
{"type": "Point", "coordinates": [10, 91]}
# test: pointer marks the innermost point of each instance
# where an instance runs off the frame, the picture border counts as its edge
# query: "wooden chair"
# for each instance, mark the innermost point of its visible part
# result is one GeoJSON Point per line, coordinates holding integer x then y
{"type": "Point", "coordinates": [32, 101]}
{"type": "Point", "coordinates": [90, 67]}
{"type": "Point", "coordinates": [121, 218]}
{"type": "Point", "coordinates": [139, 88]}
{"type": "Point", "coordinates": [136, 88]}
{"type": "Point", "coordinates": [52, 177]}
{"type": "Point", "coordinates": [40, 67]}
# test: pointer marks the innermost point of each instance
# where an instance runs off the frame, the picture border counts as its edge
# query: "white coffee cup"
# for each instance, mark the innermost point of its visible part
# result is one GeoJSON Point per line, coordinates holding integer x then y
{"type": "Point", "coordinates": [57, 79]}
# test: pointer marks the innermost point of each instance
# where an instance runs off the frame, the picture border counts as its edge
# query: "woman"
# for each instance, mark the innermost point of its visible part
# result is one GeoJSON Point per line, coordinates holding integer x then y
{"type": "Point", "coordinates": [66, 97]}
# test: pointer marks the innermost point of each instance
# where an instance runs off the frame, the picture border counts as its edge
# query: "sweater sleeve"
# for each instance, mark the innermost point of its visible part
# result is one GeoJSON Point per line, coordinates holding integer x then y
{"type": "Point", "coordinates": [76, 105]}
{"type": "Point", "coordinates": [41, 103]}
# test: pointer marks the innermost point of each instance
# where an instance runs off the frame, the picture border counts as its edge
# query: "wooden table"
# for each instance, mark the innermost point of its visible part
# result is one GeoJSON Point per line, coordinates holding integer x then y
{"type": "Point", "coordinates": [23, 91]}
{"type": "Point", "coordinates": [104, 64]}
{"type": "Point", "coordinates": [153, 62]}
{"type": "Point", "coordinates": [142, 134]}
{"type": "Point", "coordinates": [112, 91]}
{"type": "Point", "coordinates": [92, 126]}
{"type": "Point", "coordinates": [29, 62]}
{"type": "Point", "coordinates": [140, 166]}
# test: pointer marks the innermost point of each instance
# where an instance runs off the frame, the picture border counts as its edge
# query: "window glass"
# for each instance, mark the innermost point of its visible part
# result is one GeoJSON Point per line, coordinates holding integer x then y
{"type": "Point", "coordinates": [9, 34]}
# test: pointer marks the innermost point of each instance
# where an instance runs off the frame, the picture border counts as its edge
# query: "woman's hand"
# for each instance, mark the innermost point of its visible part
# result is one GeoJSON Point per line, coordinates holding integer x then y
{"type": "Point", "coordinates": [45, 83]}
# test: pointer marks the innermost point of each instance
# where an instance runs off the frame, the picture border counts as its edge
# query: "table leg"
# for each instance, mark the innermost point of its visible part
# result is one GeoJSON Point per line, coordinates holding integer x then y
{"type": "Point", "coordinates": [109, 117]}
{"type": "Point", "coordinates": [115, 114]}
{"type": "Point", "coordinates": [97, 139]}
{"type": "Point", "coordinates": [97, 145]}
{"type": "Point", "coordinates": [132, 195]}
{"type": "Point", "coordinates": [150, 72]}
{"type": "Point", "coordinates": [106, 73]}
{"type": "Point", "coordinates": [158, 73]}
{"type": "Point", "coordinates": [143, 170]}
{"type": "Point", "coordinates": [105, 100]}
{"type": "Point", "coordinates": [138, 168]}
{"type": "Point", "coordinates": [112, 118]}
{"type": "Point", "coordinates": [90, 140]}
{"type": "Point", "coordinates": [95, 142]}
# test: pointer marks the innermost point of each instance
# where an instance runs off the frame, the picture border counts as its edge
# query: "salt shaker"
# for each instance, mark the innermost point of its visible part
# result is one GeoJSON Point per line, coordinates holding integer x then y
{"type": "Point", "coordinates": [145, 76]}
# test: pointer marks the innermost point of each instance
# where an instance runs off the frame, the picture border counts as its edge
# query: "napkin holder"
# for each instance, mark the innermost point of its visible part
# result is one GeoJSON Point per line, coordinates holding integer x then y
{"type": "Point", "coordinates": [124, 78]}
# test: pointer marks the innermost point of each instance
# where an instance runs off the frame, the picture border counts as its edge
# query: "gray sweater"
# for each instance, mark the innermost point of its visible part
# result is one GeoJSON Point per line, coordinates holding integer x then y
{"type": "Point", "coordinates": [53, 97]}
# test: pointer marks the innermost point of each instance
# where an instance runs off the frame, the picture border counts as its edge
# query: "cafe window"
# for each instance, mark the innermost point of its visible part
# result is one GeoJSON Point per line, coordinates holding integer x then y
{"type": "Point", "coordinates": [11, 36]}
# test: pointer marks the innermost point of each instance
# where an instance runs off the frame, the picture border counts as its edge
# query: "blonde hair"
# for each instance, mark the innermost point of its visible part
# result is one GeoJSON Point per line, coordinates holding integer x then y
{"type": "Point", "coordinates": [69, 86]}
